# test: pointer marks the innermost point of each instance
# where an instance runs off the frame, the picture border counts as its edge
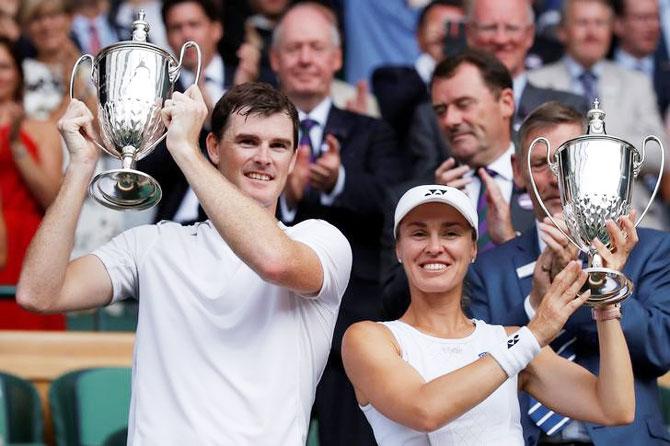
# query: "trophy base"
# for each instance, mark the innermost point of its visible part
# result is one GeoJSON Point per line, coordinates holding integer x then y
{"type": "Point", "coordinates": [607, 286]}
{"type": "Point", "coordinates": [125, 189]}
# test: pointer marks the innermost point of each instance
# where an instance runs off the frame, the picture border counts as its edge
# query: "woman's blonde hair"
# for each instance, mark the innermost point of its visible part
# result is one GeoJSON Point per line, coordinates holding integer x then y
{"type": "Point", "coordinates": [31, 8]}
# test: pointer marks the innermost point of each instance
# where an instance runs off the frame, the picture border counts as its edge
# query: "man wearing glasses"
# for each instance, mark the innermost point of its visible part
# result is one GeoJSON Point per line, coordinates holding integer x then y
{"type": "Point", "coordinates": [507, 30]}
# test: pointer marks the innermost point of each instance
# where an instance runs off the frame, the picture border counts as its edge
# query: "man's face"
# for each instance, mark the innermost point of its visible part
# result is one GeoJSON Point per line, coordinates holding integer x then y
{"type": "Point", "coordinates": [256, 154]}
{"type": "Point", "coordinates": [188, 21]}
{"type": "Point", "coordinates": [639, 28]}
{"type": "Point", "coordinates": [474, 122]}
{"type": "Point", "coordinates": [305, 57]}
{"type": "Point", "coordinates": [432, 34]}
{"type": "Point", "coordinates": [587, 31]}
{"type": "Point", "coordinates": [503, 28]}
{"type": "Point", "coordinates": [545, 180]}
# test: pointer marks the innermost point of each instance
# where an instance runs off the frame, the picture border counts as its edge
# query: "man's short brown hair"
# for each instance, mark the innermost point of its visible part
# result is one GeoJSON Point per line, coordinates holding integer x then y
{"type": "Point", "coordinates": [546, 115]}
{"type": "Point", "coordinates": [253, 98]}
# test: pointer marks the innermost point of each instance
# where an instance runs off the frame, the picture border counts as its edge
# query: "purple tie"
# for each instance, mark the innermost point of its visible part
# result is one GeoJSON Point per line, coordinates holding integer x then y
{"type": "Point", "coordinates": [305, 140]}
{"type": "Point", "coordinates": [484, 243]}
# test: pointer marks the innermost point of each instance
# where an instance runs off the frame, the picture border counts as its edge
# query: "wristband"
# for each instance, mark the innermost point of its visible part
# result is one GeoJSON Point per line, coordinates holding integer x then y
{"type": "Point", "coordinates": [606, 312]}
{"type": "Point", "coordinates": [515, 354]}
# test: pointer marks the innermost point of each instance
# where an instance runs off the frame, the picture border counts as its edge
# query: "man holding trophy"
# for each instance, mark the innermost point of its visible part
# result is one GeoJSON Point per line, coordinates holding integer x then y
{"type": "Point", "coordinates": [507, 281]}
{"type": "Point", "coordinates": [236, 313]}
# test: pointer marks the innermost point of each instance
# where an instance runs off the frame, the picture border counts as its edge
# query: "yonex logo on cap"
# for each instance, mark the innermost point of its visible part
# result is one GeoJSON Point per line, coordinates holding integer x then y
{"type": "Point", "coordinates": [432, 192]}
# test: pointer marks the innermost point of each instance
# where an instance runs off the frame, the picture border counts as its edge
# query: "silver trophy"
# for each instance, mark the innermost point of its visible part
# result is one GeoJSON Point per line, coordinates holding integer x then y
{"type": "Point", "coordinates": [133, 79]}
{"type": "Point", "coordinates": [595, 178]}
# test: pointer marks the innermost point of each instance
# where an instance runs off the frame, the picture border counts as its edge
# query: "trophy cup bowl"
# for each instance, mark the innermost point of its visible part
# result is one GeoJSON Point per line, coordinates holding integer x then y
{"type": "Point", "coordinates": [595, 175]}
{"type": "Point", "coordinates": [133, 79]}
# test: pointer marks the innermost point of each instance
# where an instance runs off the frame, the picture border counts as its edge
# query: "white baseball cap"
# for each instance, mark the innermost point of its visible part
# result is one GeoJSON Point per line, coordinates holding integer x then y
{"type": "Point", "coordinates": [434, 193]}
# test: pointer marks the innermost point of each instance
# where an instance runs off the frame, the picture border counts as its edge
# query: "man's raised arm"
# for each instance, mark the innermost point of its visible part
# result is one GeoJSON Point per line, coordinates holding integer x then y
{"type": "Point", "coordinates": [49, 282]}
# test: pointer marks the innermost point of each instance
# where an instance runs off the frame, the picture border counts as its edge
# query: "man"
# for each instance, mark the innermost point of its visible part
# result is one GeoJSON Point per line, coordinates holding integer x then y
{"type": "Point", "coordinates": [474, 102]}
{"type": "Point", "coordinates": [506, 285]}
{"type": "Point", "coordinates": [401, 88]}
{"type": "Point", "coordinates": [236, 313]}
{"type": "Point", "coordinates": [638, 29]}
{"type": "Point", "coordinates": [198, 21]}
{"type": "Point", "coordinates": [91, 26]}
{"type": "Point", "coordinates": [507, 30]}
{"type": "Point", "coordinates": [344, 163]}
{"type": "Point", "coordinates": [254, 58]}
{"type": "Point", "coordinates": [626, 96]}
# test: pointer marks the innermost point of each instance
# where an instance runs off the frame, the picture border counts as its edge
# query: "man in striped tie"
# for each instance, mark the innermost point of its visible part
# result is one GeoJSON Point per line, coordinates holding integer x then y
{"type": "Point", "coordinates": [507, 284]}
{"type": "Point", "coordinates": [473, 98]}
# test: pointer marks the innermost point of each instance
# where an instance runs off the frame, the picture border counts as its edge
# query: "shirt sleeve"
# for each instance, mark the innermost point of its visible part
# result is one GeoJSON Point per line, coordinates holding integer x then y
{"type": "Point", "coordinates": [122, 256]}
{"type": "Point", "coordinates": [334, 252]}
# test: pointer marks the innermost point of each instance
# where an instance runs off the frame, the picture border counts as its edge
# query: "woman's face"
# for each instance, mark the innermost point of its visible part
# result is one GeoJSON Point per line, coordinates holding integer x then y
{"type": "Point", "coordinates": [9, 76]}
{"type": "Point", "coordinates": [49, 29]}
{"type": "Point", "coordinates": [435, 246]}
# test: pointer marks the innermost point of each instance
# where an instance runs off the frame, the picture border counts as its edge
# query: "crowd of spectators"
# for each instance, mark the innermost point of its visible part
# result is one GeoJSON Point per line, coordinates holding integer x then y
{"type": "Point", "coordinates": [375, 115]}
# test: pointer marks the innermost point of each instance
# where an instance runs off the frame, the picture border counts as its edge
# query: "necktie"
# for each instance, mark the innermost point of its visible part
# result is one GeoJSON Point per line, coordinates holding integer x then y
{"type": "Point", "coordinates": [546, 419]}
{"type": "Point", "coordinates": [305, 139]}
{"type": "Point", "coordinates": [93, 38]}
{"type": "Point", "coordinates": [484, 242]}
{"type": "Point", "coordinates": [589, 84]}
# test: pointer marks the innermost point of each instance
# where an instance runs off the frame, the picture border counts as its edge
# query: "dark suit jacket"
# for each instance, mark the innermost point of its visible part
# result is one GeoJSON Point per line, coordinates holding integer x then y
{"type": "Point", "coordinates": [393, 279]}
{"type": "Point", "coordinates": [372, 162]}
{"type": "Point", "coordinates": [160, 165]}
{"type": "Point", "coordinates": [497, 294]}
{"type": "Point", "coordinates": [532, 97]}
{"type": "Point", "coordinates": [662, 76]}
{"type": "Point", "coordinates": [399, 90]}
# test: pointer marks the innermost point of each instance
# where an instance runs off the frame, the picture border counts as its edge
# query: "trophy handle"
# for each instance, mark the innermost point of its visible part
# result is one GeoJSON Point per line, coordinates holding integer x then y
{"type": "Point", "coordinates": [73, 78]}
{"type": "Point", "coordinates": [174, 72]}
{"type": "Point", "coordinates": [554, 169]}
{"type": "Point", "coordinates": [636, 168]}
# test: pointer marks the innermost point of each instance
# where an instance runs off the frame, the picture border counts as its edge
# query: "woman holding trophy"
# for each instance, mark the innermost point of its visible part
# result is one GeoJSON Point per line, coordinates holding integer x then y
{"type": "Point", "coordinates": [30, 166]}
{"type": "Point", "coordinates": [437, 377]}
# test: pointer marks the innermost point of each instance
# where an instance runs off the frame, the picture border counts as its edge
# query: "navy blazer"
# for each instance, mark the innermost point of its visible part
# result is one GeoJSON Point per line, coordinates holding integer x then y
{"type": "Point", "coordinates": [497, 294]}
{"type": "Point", "coordinates": [371, 159]}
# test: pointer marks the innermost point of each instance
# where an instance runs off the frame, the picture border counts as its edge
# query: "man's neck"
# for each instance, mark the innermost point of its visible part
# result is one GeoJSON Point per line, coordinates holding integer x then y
{"type": "Point", "coordinates": [490, 157]}
{"type": "Point", "coordinates": [306, 103]}
{"type": "Point", "coordinates": [632, 53]}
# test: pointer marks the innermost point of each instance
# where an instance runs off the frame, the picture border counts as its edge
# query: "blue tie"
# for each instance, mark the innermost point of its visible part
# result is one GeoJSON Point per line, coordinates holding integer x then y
{"type": "Point", "coordinates": [546, 419]}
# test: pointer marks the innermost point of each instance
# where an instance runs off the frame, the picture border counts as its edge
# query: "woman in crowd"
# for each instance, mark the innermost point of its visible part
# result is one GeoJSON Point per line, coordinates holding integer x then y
{"type": "Point", "coordinates": [437, 377]}
{"type": "Point", "coordinates": [47, 82]}
{"type": "Point", "coordinates": [30, 175]}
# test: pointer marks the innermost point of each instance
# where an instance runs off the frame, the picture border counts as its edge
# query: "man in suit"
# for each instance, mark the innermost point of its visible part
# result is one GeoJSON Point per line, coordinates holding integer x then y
{"type": "Point", "coordinates": [344, 163]}
{"type": "Point", "coordinates": [401, 88]}
{"type": "Point", "coordinates": [626, 96]}
{"type": "Point", "coordinates": [507, 30]}
{"type": "Point", "coordinates": [474, 102]}
{"type": "Point", "coordinates": [638, 29]}
{"type": "Point", "coordinates": [507, 283]}
{"type": "Point", "coordinates": [199, 21]}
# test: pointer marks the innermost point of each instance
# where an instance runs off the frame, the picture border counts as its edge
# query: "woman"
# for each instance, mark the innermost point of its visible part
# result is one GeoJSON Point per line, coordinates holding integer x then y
{"type": "Point", "coordinates": [436, 377]}
{"type": "Point", "coordinates": [47, 83]}
{"type": "Point", "coordinates": [30, 175]}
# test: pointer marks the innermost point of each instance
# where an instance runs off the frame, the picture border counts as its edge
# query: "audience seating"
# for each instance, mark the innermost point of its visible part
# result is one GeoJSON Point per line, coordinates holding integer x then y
{"type": "Point", "coordinates": [89, 405]}
{"type": "Point", "coordinates": [20, 411]}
